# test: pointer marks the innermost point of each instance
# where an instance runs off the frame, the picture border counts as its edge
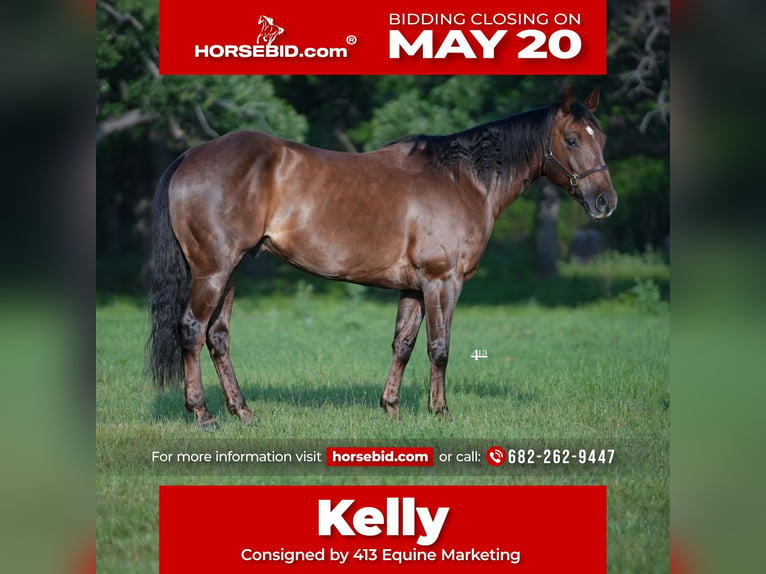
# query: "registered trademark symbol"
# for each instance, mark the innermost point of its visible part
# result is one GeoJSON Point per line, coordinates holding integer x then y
{"type": "Point", "coordinates": [350, 39]}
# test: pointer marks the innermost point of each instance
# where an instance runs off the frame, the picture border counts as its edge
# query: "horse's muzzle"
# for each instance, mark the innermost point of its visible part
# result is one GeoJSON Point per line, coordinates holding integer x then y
{"type": "Point", "coordinates": [602, 203]}
{"type": "Point", "coordinates": [602, 206]}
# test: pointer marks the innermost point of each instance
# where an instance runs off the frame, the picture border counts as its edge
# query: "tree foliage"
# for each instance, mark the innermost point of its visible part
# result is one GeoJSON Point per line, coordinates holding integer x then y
{"type": "Point", "coordinates": [181, 110]}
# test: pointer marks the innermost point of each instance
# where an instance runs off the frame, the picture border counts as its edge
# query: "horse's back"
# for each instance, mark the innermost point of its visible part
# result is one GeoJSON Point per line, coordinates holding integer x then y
{"type": "Point", "coordinates": [232, 153]}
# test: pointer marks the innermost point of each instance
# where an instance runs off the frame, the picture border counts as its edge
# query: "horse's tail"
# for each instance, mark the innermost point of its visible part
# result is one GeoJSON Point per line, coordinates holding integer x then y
{"type": "Point", "coordinates": [169, 290]}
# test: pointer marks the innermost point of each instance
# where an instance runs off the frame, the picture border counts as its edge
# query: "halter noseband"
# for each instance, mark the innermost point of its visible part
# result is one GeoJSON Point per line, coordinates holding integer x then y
{"type": "Point", "coordinates": [574, 178]}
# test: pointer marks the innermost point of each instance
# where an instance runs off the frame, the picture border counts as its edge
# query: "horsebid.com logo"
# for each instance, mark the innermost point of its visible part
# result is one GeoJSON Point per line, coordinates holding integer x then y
{"type": "Point", "coordinates": [265, 46]}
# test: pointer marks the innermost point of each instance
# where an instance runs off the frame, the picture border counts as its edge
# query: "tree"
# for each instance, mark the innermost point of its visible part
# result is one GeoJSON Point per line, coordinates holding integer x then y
{"type": "Point", "coordinates": [188, 109]}
{"type": "Point", "coordinates": [143, 119]}
{"type": "Point", "coordinates": [638, 54]}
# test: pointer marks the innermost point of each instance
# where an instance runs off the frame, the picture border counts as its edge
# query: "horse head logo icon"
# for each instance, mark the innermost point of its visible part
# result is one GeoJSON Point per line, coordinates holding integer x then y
{"type": "Point", "coordinates": [269, 30]}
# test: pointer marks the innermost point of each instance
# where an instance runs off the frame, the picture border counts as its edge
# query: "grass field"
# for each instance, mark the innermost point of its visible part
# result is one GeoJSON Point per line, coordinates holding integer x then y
{"type": "Point", "coordinates": [312, 368]}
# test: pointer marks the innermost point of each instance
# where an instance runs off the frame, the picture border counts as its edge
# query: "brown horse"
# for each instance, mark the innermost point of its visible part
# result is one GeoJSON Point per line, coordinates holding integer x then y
{"type": "Point", "coordinates": [414, 215]}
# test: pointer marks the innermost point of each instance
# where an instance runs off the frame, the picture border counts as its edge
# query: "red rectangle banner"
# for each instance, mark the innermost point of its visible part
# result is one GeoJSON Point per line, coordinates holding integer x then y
{"type": "Point", "coordinates": [529, 529]}
{"type": "Point", "coordinates": [394, 37]}
{"type": "Point", "coordinates": [379, 456]}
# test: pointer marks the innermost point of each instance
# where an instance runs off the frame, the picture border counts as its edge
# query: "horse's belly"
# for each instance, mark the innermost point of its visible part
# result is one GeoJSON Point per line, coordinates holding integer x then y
{"type": "Point", "coordinates": [364, 260]}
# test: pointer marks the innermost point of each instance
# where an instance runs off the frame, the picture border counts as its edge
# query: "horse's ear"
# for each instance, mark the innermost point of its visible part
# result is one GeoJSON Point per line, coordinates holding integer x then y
{"type": "Point", "coordinates": [591, 102]}
{"type": "Point", "coordinates": [568, 101]}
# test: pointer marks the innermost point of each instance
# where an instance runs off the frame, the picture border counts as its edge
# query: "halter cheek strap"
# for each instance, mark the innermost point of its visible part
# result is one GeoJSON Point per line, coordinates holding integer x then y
{"type": "Point", "coordinates": [574, 178]}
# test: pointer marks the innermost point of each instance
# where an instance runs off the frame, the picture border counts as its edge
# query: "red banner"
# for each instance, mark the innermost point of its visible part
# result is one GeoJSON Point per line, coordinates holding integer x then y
{"type": "Point", "coordinates": [394, 37]}
{"type": "Point", "coordinates": [529, 529]}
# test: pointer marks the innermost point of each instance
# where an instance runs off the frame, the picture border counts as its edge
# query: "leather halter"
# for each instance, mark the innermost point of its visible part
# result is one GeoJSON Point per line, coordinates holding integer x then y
{"type": "Point", "coordinates": [574, 178]}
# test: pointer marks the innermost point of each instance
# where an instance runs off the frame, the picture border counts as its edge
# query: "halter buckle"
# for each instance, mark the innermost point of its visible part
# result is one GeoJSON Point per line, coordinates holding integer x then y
{"type": "Point", "coordinates": [574, 180]}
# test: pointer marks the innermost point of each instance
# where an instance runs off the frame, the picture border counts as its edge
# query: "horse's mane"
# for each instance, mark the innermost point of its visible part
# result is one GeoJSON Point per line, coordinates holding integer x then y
{"type": "Point", "coordinates": [496, 151]}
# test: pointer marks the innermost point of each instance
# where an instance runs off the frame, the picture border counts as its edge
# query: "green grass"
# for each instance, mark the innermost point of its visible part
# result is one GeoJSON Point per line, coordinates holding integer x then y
{"type": "Point", "coordinates": [312, 368]}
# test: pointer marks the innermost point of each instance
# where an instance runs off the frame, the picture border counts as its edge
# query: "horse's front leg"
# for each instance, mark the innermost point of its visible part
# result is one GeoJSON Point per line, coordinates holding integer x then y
{"type": "Point", "coordinates": [440, 296]}
{"type": "Point", "coordinates": [408, 320]}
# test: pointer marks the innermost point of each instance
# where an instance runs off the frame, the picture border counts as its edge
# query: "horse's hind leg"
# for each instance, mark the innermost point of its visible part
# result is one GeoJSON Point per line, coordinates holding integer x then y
{"type": "Point", "coordinates": [218, 345]}
{"type": "Point", "coordinates": [204, 298]}
{"type": "Point", "coordinates": [408, 320]}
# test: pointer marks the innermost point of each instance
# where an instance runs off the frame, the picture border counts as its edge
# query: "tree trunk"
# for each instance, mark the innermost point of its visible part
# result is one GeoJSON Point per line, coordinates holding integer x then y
{"type": "Point", "coordinates": [546, 232]}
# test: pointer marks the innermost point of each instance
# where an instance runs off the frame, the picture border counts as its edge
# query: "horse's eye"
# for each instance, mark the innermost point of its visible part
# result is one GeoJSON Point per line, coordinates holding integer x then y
{"type": "Point", "coordinates": [571, 142]}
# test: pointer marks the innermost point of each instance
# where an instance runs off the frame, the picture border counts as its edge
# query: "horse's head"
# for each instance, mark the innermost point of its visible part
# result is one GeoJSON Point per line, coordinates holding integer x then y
{"type": "Point", "coordinates": [574, 157]}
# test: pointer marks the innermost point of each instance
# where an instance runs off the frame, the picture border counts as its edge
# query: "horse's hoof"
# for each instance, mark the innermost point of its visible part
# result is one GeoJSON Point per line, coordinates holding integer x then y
{"type": "Point", "coordinates": [394, 414]}
{"type": "Point", "coordinates": [247, 418]}
{"type": "Point", "coordinates": [441, 412]}
{"type": "Point", "coordinates": [209, 425]}
{"type": "Point", "coordinates": [391, 408]}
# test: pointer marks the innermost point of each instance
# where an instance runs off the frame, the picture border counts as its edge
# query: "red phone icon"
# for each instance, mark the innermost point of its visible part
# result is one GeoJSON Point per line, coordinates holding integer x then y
{"type": "Point", "coordinates": [495, 455]}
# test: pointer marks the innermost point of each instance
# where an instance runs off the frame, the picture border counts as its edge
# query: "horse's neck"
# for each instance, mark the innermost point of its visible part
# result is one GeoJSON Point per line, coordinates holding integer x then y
{"type": "Point", "coordinates": [522, 151]}
{"type": "Point", "coordinates": [503, 194]}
